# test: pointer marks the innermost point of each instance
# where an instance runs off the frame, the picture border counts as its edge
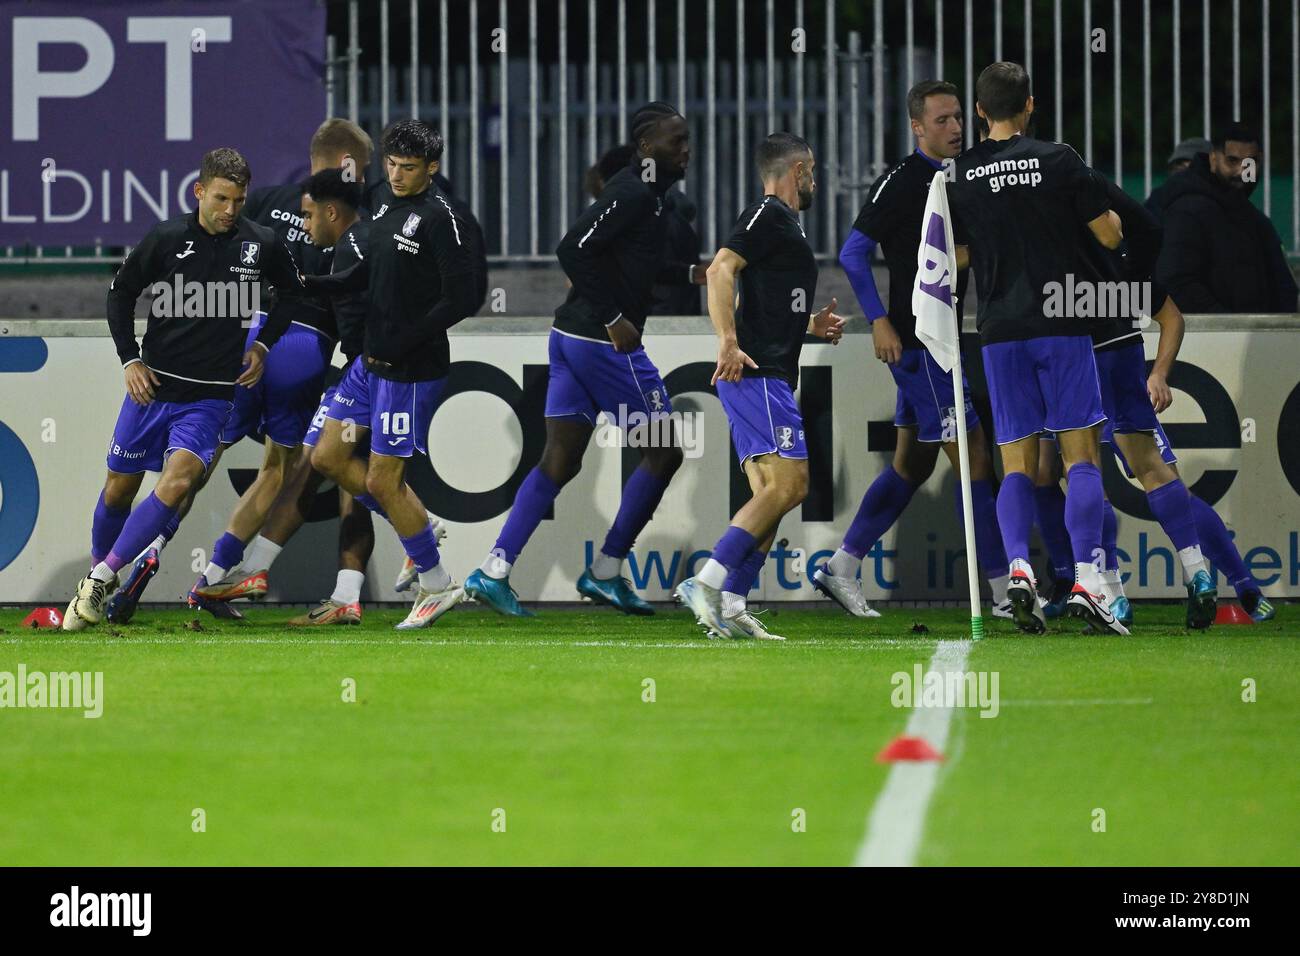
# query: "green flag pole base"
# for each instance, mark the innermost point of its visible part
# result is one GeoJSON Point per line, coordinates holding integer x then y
{"type": "Point", "coordinates": [977, 628]}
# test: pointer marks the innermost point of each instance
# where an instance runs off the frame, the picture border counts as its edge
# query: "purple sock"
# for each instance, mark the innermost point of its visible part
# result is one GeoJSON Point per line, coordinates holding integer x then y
{"type": "Point", "coordinates": [169, 529]}
{"type": "Point", "coordinates": [1218, 546]}
{"type": "Point", "coordinates": [1016, 514]}
{"type": "Point", "coordinates": [744, 579]}
{"type": "Point", "coordinates": [1083, 498]}
{"type": "Point", "coordinates": [734, 547]}
{"type": "Point", "coordinates": [227, 552]}
{"type": "Point", "coordinates": [1049, 502]}
{"type": "Point", "coordinates": [147, 519]}
{"type": "Point", "coordinates": [369, 502]}
{"type": "Point", "coordinates": [1172, 507]}
{"type": "Point", "coordinates": [880, 508]}
{"type": "Point", "coordinates": [534, 497]}
{"type": "Point", "coordinates": [641, 496]}
{"type": "Point", "coordinates": [104, 529]}
{"type": "Point", "coordinates": [1110, 535]}
{"type": "Point", "coordinates": [422, 548]}
{"type": "Point", "coordinates": [988, 539]}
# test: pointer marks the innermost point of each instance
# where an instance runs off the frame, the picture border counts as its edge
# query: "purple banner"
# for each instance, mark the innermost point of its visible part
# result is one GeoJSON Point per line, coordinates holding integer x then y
{"type": "Point", "coordinates": [108, 107]}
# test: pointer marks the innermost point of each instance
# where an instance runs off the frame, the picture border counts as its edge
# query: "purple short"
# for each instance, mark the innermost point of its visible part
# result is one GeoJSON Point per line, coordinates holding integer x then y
{"type": "Point", "coordinates": [1123, 376]}
{"type": "Point", "coordinates": [1042, 385]}
{"type": "Point", "coordinates": [925, 398]}
{"type": "Point", "coordinates": [323, 408]}
{"type": "Point", "coordinates": [764, 418]}
{"type": "Point", "coordinates": [146, 434]}
{"type": "Point", "coordinates": [398, 414]}
{"type": "Point", "coordinates": [589, 377]}
{"type": "Point", "coordinates": [281, 404]}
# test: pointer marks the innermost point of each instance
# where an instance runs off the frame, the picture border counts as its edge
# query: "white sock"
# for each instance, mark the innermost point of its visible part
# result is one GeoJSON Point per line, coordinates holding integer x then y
{"type": "Point", "coordinates": [496, 567]}
{"type": "Point", "coordinates": [713, 575]}
{"type": "Point", "coordinates": [605, 567]}
{"type": "Point", "coordinates": [261, 554]}
{"type": "Point", "coordinates": [1086, 574]}
{"type": "Point", "coordinates": [1025, 568]}
{"type": "Point", "coordinates": [347, 587]}
{"type": "Point", "coordinates": [1192, 561]}
{"type": "Point", "coordinates": [214, 573]}
{"type": "Point", "coordinates": [732, 604]}
{"type": "Point", "coordinates": [1110, 586]}
{"type": "Point", "coordinates": [844, 565]}
{"type": "Point", "coordinates": [998, 586]}
{"type": "Point", "coordinates": [1118, 582]}
{"type": "Point", "coordinates": [159, 543]}
{"type": "Point", "coordinates": [102, 572]}
{"type": "Point", "coordinates": [435, 579]}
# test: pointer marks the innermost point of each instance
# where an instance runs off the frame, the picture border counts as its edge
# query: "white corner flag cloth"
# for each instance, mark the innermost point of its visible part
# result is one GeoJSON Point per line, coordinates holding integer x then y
{"type": "Point", "coordinates": [936, 279]}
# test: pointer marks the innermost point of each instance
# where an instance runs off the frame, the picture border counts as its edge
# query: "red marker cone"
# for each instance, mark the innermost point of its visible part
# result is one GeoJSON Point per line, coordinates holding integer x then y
{"type": "Point", "coordinates": [908, 748]}
{"type": "Point", "coordinates": [1232, 614]}
{"type": "Point", "coordinates": [44, 617]}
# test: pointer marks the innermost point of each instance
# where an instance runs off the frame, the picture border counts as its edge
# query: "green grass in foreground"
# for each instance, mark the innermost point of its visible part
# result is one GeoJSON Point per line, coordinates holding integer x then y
{"type": "Point", "coordinates": [545, 719]}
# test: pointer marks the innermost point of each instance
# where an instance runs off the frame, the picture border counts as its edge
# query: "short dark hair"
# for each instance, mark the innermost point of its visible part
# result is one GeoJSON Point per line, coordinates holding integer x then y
{"type": "Point", "coordinates": [224, 163]}
{"type": "Point", "coordinates": [412, 137]}
{"type": "Point", "coordinates": [917, 95]}
{"type": "Point", "coordinates": [775, 154]}
{"type": "Point", "coordinates": [648, 117]}
{"type": "Point", "coordinates": [1002, 90]}
{"type": "Point", "coordinates": [615, 159]}
{"type": "Point", "coordinates": [328, 185]}
{"type": "Point", "coordinates": [1236, 132]}
{"type": "Point", "coordinates": [336, 136]}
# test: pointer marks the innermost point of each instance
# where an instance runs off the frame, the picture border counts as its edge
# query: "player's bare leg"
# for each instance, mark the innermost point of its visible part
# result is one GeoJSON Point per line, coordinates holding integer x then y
{"type": "Point", "coordinates": [180, 472]}
{"type": "Point", "coordinates": [356, 543]}
{"type": "Point", "coordinates": [222, 579]}
{"type": "Point", "coordinates": [779, 485]}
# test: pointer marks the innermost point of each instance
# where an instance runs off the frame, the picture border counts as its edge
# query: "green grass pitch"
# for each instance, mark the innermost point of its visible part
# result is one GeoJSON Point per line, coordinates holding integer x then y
{"type": "Point", "coordinates": [542, 726]}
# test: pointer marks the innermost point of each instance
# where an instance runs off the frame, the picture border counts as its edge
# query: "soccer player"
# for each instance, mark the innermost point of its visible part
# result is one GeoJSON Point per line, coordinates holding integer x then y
{"type": "Point", "coordinates": [278, 408]}
{"type": "Point", "coordinates": [1021, 203]}
{"type": "Point", "coordinates": [180, 385]}
{"type": "Point", "coordinates": [757, 372]}
{"type": "Point", "coordinates": [611, 255]}
{"type": "Point", "coordinates": [925, 417]}
{"type": "Point", "coordinates": [426, 271]}
{"type": "Point", "coordinates": [1132, 399]}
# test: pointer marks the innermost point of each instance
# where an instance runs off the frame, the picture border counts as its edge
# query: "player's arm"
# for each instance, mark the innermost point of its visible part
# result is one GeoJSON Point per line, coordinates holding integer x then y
{"type": "Point", "coordinates": [283, 274]}
{"type": "Point", "coordinates": [1107, 230]}
{"type": "Point", "coordinates": [136, 273]}
{"type": "Point", "coordinates": [961, 254]}
{"type": "Point", "coordinates": [354, 278]}
{"type": "Point", "coordinates": [855, 257]}
{"type": "Point", "coordinates": [1172, 328]}
{"type": "Point", "coordinates": [462, 267]}
{"type": "Point", "coordinates": [349, 310]}
{"type": "Point", "coordinates": [825, 324]}
{"type": "Point", "coordinates": [583, 247]}
{"type": "Point", "coordinates": [722, 313]}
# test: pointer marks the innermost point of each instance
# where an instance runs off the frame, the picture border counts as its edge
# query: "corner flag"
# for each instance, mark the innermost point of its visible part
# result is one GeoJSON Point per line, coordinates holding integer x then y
{"type": "Point", "coordinates": [934, 305]}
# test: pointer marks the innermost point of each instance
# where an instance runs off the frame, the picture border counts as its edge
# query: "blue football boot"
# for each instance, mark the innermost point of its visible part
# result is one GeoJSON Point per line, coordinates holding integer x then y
{"type": "Point", "coordinates": [1201, 598]}
{"type": "Point", "coordinates": [1261, 611]}
{"type": "Point", "coordinates": [496, 593]}
{"type": "Point", "coordinates": [616, 592]}
{"type": "Point", "coordinates": [218, 609]}
{"type": "Point", "coordinates": [121, 606]}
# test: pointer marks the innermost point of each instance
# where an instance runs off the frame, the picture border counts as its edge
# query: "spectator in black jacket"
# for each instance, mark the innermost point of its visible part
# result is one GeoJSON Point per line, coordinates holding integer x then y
{"type": "Point", "coordinates": [1220, 253]}
{"type": "Point", "coordinates": [1179, 160]}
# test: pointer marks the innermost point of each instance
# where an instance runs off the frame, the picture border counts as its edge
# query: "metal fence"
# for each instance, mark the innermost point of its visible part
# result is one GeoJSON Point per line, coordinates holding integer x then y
{"type": "Point", "coordinates": [528, 93]}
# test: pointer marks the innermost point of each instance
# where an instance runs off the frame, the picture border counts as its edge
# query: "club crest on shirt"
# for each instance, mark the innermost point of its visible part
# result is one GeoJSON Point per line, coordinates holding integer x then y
{"type": "Point", "coordinates": [656, 401]}
{"type": "Point", "coordinates": [248, 253]}
{"type": "Point", "coordinates": [411, 224]}
{"type": "Point", "coordinates": [785, 437]}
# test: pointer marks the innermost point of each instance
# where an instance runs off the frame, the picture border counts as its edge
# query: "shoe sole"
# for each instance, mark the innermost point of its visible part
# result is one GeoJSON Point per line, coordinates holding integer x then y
{"type": "Point", "coordinates": [1206, 604]}
{"type": "Point", "coordinates": [1022, 611]}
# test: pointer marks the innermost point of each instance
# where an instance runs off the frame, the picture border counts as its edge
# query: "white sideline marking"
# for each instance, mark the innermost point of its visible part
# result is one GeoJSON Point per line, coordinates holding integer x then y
{"type": "Point", "coordinates": [897, 820]}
